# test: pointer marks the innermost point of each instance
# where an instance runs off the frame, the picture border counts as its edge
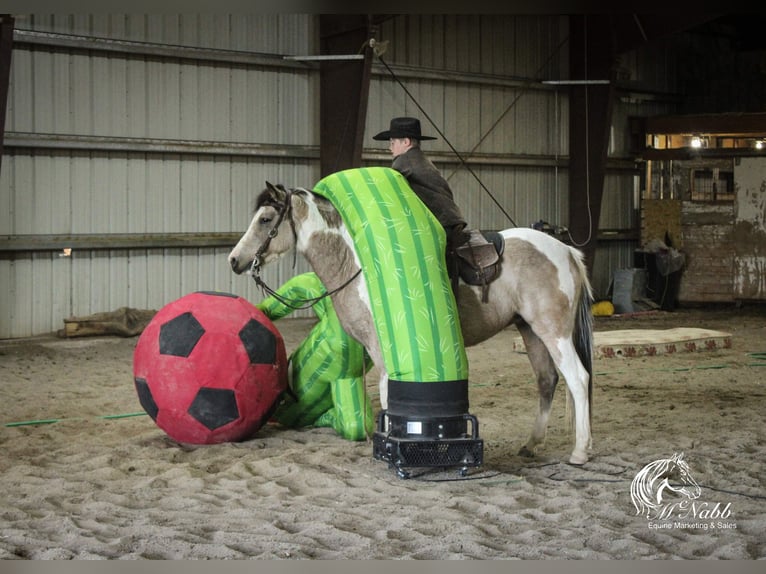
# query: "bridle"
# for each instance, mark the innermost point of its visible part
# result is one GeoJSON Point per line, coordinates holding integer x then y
{"type": "Point", "coordinates": [286, 210]}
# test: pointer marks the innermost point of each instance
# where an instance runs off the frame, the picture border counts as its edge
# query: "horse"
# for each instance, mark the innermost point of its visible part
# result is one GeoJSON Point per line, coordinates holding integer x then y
{"type": "Point", "coordinates": [652, 483]}
{"type": "Point", "coordinates": [542, 288]}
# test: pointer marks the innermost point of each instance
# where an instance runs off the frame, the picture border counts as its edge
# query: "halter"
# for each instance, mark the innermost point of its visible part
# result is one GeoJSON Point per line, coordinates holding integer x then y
{"type": "Point", "coordinates": [286, 210]}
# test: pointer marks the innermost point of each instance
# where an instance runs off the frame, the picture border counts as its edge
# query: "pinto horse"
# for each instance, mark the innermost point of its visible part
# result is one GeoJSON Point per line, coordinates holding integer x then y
{"type": "Point", "coordinates": [542, 289]}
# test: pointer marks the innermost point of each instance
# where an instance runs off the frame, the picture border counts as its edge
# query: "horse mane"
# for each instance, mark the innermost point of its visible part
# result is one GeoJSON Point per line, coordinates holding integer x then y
{"type": "Point", "coordinates": [268, 198]}
{"type": "Point", "coordinates": [324, 206]}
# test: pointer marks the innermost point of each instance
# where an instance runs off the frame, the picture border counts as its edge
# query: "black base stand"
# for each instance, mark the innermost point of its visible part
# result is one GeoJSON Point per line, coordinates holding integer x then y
{"type": "Point", "coordinates": [444, 442]}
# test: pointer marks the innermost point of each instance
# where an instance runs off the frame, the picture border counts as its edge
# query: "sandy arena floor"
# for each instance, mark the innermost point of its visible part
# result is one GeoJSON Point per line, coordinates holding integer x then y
{"type": "Point", "coordinates": [93, 487]}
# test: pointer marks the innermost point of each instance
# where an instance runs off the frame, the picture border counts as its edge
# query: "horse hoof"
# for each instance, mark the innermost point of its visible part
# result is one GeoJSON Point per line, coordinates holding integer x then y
{"type": "Point", "coordinates": [578, 459]}
{"type": "Point", "coordinates": [526, 453]}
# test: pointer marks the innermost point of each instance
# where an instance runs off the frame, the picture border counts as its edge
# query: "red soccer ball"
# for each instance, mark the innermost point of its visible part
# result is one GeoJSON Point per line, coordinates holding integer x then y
{"type": "Point", "coordinates": [209, 368]}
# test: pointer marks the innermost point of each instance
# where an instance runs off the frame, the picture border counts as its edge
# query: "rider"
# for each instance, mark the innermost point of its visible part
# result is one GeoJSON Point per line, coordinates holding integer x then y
{"type": "Point", "coordinates": [404, 139]}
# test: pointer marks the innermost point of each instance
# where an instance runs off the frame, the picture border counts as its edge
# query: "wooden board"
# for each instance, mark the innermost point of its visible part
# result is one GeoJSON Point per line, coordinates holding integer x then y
{"type": "Point", "coordinates": [650, 342]}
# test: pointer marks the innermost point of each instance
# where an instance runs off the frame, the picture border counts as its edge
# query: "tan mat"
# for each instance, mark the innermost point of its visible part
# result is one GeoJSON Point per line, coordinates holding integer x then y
{"type": "Point", "coordinates": [650, 342]}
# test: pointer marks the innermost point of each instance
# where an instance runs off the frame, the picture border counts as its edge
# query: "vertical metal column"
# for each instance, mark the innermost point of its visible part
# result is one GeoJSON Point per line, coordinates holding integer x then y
{"type": "Point", "coordinates": [6, 47]}
{"type": "Point", "coordinates": [591, 57]}
{"type": "Point", "coordinates": [344, 87]}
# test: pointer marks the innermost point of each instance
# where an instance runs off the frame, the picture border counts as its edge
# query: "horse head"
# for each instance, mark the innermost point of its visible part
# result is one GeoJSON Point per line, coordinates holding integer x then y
{"type": "Point", "coordinates": [262, 242]}
{"type": "Point", "coordinates": [680, 468]}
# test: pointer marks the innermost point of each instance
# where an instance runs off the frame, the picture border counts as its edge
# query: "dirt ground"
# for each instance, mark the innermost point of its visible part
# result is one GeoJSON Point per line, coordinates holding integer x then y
{"type": "Point", "coordinates": [84, 485]}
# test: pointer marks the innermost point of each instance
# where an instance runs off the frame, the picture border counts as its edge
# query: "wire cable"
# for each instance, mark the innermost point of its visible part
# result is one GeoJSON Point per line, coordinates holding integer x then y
{"type": "Point", "coordinates": [457, 154]}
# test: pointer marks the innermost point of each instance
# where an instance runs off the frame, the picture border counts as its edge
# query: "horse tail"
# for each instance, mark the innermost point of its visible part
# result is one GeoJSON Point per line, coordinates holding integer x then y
{"type": "Point", "coordinates": [583, 333]}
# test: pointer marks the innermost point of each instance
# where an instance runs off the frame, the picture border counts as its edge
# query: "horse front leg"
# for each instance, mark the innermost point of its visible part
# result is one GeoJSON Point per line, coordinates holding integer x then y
{"type": "Point", "coordinates": [383, 386]}
{"type": "Point", "coordinates": [547, 378]}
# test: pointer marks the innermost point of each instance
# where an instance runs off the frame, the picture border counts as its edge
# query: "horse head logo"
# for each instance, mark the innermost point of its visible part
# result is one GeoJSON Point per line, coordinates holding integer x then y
{"type": "Point", "coordinates": [655, 496]}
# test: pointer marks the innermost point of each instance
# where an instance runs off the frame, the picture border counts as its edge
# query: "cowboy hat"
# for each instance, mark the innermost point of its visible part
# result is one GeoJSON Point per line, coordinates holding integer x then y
{"type": "Point", "coordinates": [403, 128]}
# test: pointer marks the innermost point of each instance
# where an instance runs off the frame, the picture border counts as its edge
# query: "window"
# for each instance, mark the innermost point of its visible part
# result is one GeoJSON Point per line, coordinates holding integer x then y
{"type": "Point", "coordinates": [711, 185]}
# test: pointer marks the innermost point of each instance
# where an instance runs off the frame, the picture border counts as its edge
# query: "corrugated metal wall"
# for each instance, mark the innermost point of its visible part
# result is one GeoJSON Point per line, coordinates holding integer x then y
{"type": "Point", "coordinates": [146, 125]}
{"type": "Point", "coordinates": [484, 92]}
{"type": "Point", "coordinates": [168, 124]}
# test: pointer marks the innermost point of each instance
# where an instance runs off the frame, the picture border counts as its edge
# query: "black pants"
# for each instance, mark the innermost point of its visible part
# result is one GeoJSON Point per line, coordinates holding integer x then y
{"type": "Point", "coordinates": [456, 236]}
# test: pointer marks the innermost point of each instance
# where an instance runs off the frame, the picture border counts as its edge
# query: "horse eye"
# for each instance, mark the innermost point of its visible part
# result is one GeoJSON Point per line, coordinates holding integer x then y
{"type": "Point", "coordinates": [265, 220]}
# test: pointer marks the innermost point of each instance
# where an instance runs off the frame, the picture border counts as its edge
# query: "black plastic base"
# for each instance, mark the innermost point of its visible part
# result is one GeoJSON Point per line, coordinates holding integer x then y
{"type": "Point", "coordinates": [444, 442]}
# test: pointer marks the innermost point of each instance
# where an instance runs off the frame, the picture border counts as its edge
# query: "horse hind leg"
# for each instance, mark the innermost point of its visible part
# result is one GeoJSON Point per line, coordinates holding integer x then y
{"type": "Point", "coordinates": [547, 378]}
{"type": "Point", "coordinates": [576, 377]}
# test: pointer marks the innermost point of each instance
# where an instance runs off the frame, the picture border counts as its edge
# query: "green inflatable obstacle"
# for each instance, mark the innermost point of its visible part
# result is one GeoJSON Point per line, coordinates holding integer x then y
{"type": "Point", "coordinates": [401, 246]}
{"type": "Point", "coordinates": [328, 366]}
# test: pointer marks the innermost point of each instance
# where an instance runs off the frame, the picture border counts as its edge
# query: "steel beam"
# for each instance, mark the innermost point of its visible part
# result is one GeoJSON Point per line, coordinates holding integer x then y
{"type": "Point", "coordinates": [6, 48]}
{"type": "Point", "coordinates": [32, 38]}
{"type": "Point", "coordinates": [115, 241]}
{"type": "Point", "coordinates": [718, 124]}
{"type": "Point", "coordinates": [159, 146]}
{"type": "Point", "coordinates": [344, 87]}
{"type": "Point", "coordinates": [591, 56]}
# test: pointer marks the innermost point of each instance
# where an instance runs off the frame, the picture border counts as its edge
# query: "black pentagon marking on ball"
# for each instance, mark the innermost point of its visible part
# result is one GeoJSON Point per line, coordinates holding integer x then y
{"type": "Point", "coordinates": [179, 335]}
{"type": "Point", "coordinates": [219, 294]}
{"type": "Point", "coordinates": [214, 407]}
{"type": "Point", "coordinates": [259, 342]}
{"type": "Point", "coordinates": [145, 397]}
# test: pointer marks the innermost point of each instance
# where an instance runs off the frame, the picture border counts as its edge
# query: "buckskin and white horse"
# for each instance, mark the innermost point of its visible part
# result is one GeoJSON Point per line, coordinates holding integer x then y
{"type": "Point", "coordinates": [542, 289]}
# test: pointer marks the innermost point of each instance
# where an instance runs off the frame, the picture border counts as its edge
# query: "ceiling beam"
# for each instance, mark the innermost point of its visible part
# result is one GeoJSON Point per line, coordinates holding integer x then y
{"type": "Point", "coordinates": [343, 90]}
{"type": "Point", "coordinates": [631, 31]}
{"type": "Point", "coordinates": [720, 124]}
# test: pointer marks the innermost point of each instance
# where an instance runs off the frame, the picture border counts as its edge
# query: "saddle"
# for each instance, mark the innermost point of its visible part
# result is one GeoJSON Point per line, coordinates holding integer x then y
{"type": "Point", "coordinates": [478, 259]}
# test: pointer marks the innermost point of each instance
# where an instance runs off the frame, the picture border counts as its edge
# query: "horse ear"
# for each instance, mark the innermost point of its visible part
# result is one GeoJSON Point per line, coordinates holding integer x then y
{"type": "Point", "coordinates": [275, 191]}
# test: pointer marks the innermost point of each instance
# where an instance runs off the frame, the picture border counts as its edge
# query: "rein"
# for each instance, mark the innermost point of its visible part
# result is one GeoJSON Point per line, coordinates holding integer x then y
{"type": "Point", "coordinates": [299, 304]}
{"type": "Point", "coordinates": [285, 210]}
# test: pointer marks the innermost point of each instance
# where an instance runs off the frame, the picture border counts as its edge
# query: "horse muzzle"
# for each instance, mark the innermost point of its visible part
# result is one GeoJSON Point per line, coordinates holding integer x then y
{"type": "Point", "coordinates": [239, 266]}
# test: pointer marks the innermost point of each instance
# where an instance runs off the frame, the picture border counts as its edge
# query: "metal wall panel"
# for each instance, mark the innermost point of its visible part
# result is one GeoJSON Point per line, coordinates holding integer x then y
{"type": "Point", "coordinates": [478, 77]}
{"type": "Point", "coordinates": [101, 95]}
{"type": "Point", "coordinates": [61, 187]}
{"type": "Point", "coordinates": [133, 194]}
{"type": "Point", "coordinates": [499, 120]}
{"type": "Point", "coordinates": [488, 115]}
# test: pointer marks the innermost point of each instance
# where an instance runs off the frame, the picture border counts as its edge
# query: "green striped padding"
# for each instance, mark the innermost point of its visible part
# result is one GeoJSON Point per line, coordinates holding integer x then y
{"type": "Point", "coordinates": [352, 417]}
{"type": "Point", "coordinates": [401, 247]}
{"type": "Point", "coordinates": [326, 358]}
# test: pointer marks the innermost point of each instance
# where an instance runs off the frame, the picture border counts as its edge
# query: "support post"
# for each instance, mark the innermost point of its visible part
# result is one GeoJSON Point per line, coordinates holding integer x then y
{"type": "Point", "coordinates": [6, 48]}
{"type": "Point", "coordinates": [591, 57]}
{"type": "Point", "coordinates": [344, 88]}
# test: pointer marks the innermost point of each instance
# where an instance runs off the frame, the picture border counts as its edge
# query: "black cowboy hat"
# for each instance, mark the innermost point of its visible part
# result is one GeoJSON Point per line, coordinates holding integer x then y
{"type": "Point", "coordinates": [403, 128]}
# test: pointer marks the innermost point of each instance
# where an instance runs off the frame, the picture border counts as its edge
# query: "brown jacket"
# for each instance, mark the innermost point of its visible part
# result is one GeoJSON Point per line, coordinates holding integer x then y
{"type": "Point", "coordinates": [429, 185]}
